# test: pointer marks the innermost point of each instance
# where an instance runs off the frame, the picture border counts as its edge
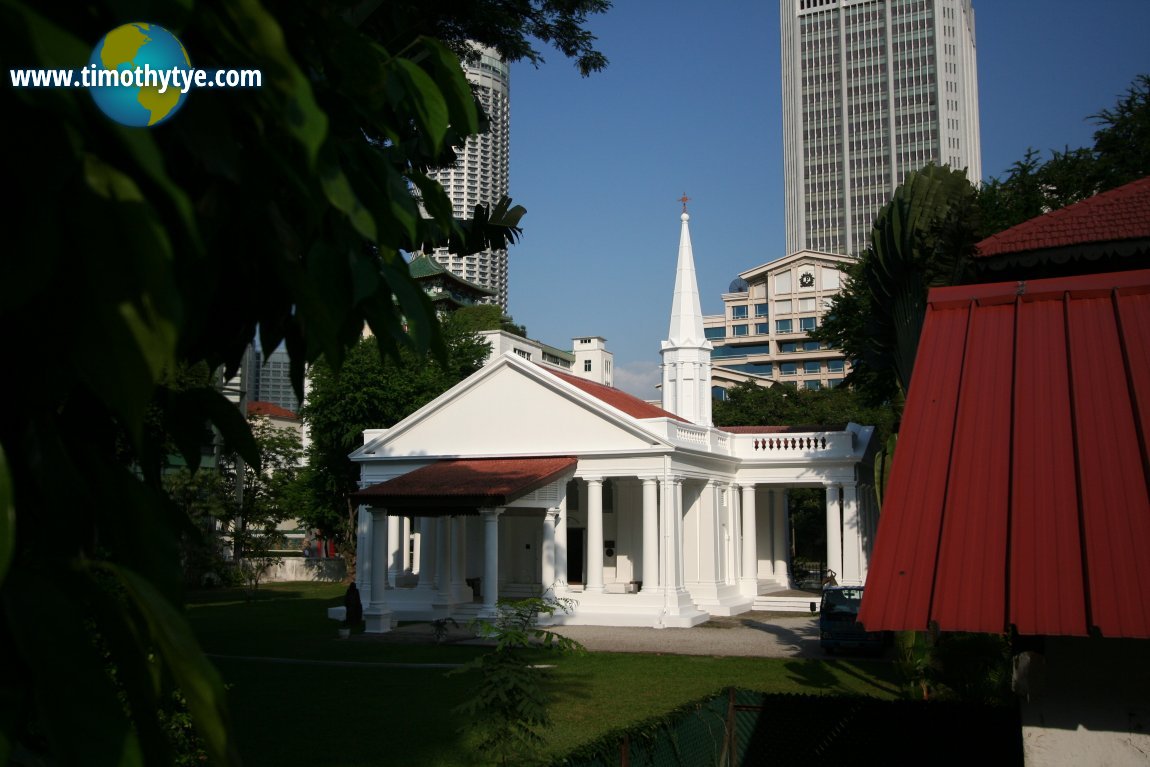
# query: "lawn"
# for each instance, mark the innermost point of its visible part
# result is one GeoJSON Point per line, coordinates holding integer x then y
{"type": "Point", "coordinates": [330, 702]}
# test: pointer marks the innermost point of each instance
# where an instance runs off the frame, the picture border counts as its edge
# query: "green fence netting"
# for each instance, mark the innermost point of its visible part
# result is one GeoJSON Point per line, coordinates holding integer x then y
{"type": "Point", "coordinates": [743, 727]}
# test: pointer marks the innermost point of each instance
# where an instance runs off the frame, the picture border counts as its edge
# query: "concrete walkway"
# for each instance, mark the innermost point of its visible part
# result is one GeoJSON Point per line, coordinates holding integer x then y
{"type": "Point", "coordinates": [750, 634]}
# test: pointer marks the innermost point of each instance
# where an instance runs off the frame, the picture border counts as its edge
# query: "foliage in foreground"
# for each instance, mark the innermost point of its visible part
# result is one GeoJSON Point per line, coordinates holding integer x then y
{"type": "Point", "coordinates": [509, 709]}
{"type": "Point", "coordinates": [137, 253]}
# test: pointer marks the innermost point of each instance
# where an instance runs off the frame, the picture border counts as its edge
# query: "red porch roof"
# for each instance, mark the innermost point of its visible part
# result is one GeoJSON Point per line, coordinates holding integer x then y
{"type": "Point", "coordinates": [464, 485]}
{"type": "Point", "coordinates": [1019, 493]}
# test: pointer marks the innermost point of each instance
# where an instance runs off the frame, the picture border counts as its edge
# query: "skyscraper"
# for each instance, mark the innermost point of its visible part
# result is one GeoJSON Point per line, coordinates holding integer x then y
{"type": "Point", "coordinates": [872, 90]}
{"type": "Point", "coordinates": [479, 177]}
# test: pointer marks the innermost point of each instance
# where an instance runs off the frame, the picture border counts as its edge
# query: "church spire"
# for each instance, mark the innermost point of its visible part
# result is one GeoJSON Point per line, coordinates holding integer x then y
{"type": "Point", "coordinates": [686, 352]}
{"type": "Point", "coordinates": [686, 311]}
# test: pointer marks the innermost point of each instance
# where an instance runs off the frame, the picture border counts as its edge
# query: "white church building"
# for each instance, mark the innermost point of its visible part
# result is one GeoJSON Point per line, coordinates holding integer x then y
{"type": "Point", "coordinates": [523, 479]}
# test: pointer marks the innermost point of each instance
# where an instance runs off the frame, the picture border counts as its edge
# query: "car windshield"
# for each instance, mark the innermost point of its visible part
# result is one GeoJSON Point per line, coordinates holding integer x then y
{"type": "Point", "coordinates": [842, 600]}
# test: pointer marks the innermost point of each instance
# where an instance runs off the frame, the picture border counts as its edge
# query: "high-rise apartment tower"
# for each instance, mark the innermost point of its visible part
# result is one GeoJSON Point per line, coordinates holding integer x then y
{"type": "Point", "coordinates": [479, 177]}
{"type": "Point", "coordinates": [872, 90]}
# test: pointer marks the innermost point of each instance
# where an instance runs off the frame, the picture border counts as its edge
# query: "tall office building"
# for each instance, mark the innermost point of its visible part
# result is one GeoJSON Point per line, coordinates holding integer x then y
{"type": "Point", "coordinates": [268, 378]}
{"type": "Point", "coordinates": [479, 177]}
{"type": "Point", "coordinates": [872, 90]}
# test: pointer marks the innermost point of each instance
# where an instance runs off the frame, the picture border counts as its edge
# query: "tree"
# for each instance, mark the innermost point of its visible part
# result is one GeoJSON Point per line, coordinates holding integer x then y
{"type": "Point", "coordinates": [486, 317]}
{"type": "Point", "coordinates": [749, 404]}
{"type": "Point", "coordinates": [134, 252]}
{"type": "Point", "coordinates": [258, 499]}
{"type": "Point", "coordinates": [1031, 187]}
{"type": "Point", "coordinates": [236, 531]}
{"type": "Point", "coordinates": [1122, 142]}
{"type": "Point", "coordinates": [922, 238]}
{"type": "Point", "coordinates": [1016, 198]}
{"type": "Point", "coordinates": [508, 711]}
{"type": "Point", "coordinates": [370, 392]}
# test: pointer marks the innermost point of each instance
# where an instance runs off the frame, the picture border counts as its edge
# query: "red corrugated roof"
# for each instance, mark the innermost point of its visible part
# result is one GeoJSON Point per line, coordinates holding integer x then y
{"type": "Point", "coordinates": [1020, 492]}
{"type": "Point", "coordinates": [271, 410]}
{"type": "Point", "coordinates": [620, 400]}
{"type": "Point", "coordinates": [1116, 215]}
{"type": "Point", "coordinates": [463, 485]}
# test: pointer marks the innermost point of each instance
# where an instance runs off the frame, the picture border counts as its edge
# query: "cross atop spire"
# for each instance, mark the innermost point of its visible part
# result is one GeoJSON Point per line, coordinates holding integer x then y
{"type": "Point", "coordinates": [684, 199]}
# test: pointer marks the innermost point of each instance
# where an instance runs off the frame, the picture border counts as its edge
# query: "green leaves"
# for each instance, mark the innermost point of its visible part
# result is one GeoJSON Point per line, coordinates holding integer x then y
{"type": "Point", "coordinates": [509, 706]}
{"type": "Point", "coordinates": [7, 518]}
{"type": "Point", "coordinates": [136, 256]}
{"type": "Point", "coordinates": [193, 675]}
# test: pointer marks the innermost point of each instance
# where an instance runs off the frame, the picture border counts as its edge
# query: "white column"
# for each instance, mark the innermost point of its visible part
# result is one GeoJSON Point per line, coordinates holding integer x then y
{"type": "Point", "coordinates": [363, 553]}
{"type": "Point", "coordinates": [405, 544]}
{"type": "Point", "coordinates": [459, 585]}
{"type": "Point", "coordinates": [866, 501]}
{"type": "Point", "coordinates": [834, 532]}
{"type": "Point", "coordinates": [547, 560]}
{"type": "Point", "coordinates": [394, 549]}
{"type": "Point", "coordinates": [443, 559]}
{"type": "Point", "coordinates": [852, 538]}
{"type": "Point", "coordinates": [650, 534]}
{"type": "Point", "coordinates": [749, 584]}
{"type": "Point", "coordinates": [780, 552]}
{"type": "Point", "coordinates": [490, 584]}
{"type": "Point", "coordinates": [707, 541]}
{"type": "Point", "coordinates": [376, 615]}
{"type": "Point", "coordinates": [673, 534]}
{"type": "Point", "coordinates": [594, 574]}
{"type": "Point", "coordinates": [734, 539]}
{"type": "Point", "coordinates": [428, 543]}
{"type": "Point", "coordinates": [561, 542]}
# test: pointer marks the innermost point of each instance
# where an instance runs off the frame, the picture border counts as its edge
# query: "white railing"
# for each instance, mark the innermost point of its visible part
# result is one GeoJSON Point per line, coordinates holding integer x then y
{"type": "Point", "coordinates": [825, 444]}
{"type": "Point", "coordinates": [815, 444]}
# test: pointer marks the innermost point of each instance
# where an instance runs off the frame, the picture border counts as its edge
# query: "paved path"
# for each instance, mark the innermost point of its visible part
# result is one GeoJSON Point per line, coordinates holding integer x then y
{"type": "Point", "coordinates": [751, 634]}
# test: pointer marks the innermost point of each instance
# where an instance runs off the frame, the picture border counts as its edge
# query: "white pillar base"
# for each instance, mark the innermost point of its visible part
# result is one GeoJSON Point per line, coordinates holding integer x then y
{"type": "Point", "coordinates": [377, 620]}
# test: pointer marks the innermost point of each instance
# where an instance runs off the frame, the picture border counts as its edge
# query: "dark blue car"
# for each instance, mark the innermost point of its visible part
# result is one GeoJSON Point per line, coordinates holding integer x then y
{"type": "Point", "coordinates": [839, 628]}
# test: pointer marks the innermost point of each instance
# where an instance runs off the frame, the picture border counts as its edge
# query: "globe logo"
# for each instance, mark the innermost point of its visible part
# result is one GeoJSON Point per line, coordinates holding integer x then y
{"type": "Point", "coordinates": [126, 49]}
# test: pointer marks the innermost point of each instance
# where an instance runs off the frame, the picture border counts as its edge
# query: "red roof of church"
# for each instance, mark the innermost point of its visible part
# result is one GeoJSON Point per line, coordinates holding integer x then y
{"type": "Point", "coordinates": [1112, 216]}
{"type": "Point", "coordinates": [271, 410]}
{"type": "Point", "coordinates": [463, 485]}
{"type": "Point", "coordinates": [620, 400]}
{"type": "Point", "coordinates": [1020, 491]}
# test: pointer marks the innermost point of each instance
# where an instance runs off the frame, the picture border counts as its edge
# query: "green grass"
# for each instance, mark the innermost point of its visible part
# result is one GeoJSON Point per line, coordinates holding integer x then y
{"type": "Point", "coordinates": [345, 716]}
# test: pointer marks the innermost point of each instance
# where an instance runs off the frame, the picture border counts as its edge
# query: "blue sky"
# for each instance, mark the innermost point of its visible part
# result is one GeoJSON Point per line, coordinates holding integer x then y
{"type": "Point", "coordinates": [691, 102]}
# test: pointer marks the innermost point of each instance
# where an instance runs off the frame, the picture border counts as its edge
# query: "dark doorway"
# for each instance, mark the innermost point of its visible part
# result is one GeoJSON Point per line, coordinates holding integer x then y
{"type": "Point", "coordinates": [575, 540]}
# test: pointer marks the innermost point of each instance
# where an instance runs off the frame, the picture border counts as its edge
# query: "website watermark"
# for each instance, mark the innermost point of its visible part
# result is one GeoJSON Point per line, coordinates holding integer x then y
{"type": "Point", "coordinates": [138, 75]}
{"type": "Point", "coordinates": [182, 80]}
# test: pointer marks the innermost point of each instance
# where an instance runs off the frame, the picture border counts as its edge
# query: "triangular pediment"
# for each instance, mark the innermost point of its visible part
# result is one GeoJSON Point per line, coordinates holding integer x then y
{"type": "Point", "coordinates": [511, 407]}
